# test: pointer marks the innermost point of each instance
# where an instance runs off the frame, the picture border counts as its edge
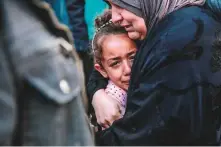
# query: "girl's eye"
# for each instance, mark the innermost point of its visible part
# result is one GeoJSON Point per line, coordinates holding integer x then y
{"type": "Point", "coordinates": [114, 64]}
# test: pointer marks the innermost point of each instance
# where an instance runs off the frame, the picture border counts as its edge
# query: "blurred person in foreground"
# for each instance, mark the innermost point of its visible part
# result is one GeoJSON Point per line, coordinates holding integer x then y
{"type": "Point", "coordinates": [72, 14]}
{"type": "Point", "coordinates": [41, 93]}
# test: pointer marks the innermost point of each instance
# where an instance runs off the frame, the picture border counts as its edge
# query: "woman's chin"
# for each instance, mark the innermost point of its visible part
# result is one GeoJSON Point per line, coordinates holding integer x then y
{"type": "Point", "coordinates": [134, 35]}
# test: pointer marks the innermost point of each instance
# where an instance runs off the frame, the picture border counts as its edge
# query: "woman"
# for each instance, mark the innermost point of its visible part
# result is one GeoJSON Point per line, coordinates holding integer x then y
{"type": "Point", "coordinates": [173, 80]}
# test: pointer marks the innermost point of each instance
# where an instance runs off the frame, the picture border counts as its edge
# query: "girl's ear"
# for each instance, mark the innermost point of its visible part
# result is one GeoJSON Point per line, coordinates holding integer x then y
{"type": "Point", "coordinates": [101, 70]}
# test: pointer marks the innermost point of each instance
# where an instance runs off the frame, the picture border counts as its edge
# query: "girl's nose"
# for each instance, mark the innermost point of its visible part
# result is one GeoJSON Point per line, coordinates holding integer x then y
{"type": "Point", "coordinates": [127, 68]}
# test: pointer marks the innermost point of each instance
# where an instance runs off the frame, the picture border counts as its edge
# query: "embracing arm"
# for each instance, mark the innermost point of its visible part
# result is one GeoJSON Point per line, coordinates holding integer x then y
{"type": "Point", "coordinates": [106, 109]}
{"type": "Point", "coordinates": [170, 100]}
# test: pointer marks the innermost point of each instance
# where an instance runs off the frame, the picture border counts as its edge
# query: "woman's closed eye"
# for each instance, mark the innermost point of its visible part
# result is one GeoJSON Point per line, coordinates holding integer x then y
{"type": "Point", "coordinates": [132, 57]}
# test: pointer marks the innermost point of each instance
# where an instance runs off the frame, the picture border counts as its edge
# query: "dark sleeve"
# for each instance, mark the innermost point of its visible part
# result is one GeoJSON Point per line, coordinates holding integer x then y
{"type": "Point", "coordinates": [164, 119]}
{"type": "Point", "coordinates": [96, 82]}
{"type": "Point", "coordinates": [7, 100]}
{"type": "Point", "coordinates": [170, 99]}
{"type": "Point", "coordinates": [78, 26]}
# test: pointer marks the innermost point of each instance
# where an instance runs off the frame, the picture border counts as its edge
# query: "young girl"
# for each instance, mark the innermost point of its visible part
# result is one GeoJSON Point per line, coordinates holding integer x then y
{"type": "Point", "coordinates": [114, 53]}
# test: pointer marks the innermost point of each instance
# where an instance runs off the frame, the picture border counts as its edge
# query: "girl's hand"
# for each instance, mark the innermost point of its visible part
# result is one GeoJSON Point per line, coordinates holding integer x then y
{"type": "Point", "coordinates": [106, 109]}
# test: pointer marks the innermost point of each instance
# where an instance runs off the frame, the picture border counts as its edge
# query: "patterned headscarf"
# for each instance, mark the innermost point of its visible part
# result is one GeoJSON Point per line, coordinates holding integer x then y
{"type": "Point", "coordinates": [154, 10]}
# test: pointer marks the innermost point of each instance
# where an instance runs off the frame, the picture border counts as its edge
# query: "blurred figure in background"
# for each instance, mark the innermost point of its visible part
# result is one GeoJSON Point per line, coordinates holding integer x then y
{"type": "Point", "coordinates": [79, 16]}
{"type": "Point", "coordinates": [40, 86]}
{"type": "Point", "coordinates": [81, 22]}
{"type": "Point", "coordinates": [60, 9]}
{"type": "Point", "coordinates": [72, 14]}
{"type": "Point", "coordinates": [78, 26]}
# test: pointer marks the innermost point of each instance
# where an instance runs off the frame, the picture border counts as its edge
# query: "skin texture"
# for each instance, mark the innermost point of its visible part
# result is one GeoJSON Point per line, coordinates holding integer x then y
{"type": "Point", "coordinates": [118, 55]}
{"type": "Point", "coordinates": [134, 25]}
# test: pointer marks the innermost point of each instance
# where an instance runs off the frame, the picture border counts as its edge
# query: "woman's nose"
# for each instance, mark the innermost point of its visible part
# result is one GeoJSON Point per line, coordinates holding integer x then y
{"type": "Point", "coordinates": [116, 16]}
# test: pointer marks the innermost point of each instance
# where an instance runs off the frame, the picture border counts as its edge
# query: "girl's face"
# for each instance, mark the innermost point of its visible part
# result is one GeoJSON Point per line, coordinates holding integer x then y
{"type": "Point", "coordinates": [134, 24]}
{"type": "Point", "coordinates": [118, 55]}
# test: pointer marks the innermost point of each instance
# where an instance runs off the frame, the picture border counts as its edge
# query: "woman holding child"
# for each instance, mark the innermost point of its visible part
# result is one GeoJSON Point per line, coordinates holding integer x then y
{"type": "Point", "coordinates": [175, 76]}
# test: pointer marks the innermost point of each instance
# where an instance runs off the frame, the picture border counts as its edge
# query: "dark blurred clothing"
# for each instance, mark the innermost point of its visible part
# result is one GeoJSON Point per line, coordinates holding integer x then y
{"type": "Point", "coordinates": [60, 9]}
{"type": "Point", "coordinates": [77, 24]}
{"type": "Point", "coordinates": [41, 80]}
{"type": "Point", "coordinates": [72, 13]}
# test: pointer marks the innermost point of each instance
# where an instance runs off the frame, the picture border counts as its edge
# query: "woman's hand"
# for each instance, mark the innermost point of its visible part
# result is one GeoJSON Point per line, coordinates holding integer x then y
{"type": "Point", "coordinates": [106, 109]}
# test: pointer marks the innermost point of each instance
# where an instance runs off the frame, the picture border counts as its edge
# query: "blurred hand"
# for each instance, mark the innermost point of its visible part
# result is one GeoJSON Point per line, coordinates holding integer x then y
{"type": "Point", "coordinates": [106, 109]}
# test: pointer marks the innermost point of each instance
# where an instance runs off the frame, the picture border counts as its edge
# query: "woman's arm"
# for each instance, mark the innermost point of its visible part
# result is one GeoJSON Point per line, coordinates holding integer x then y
{"type": "Point", "coordinates": [170, 102]}
{"type": "Point", "coordinates": [106, 109]}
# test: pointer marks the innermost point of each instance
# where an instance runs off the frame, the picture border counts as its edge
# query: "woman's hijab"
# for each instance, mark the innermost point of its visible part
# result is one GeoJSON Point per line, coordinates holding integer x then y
{"type": "Point", "coordinates": [155, 10]}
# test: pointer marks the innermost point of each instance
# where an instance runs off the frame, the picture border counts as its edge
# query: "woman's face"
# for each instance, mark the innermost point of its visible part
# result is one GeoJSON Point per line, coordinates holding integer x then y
{"type": "Point", "coordinates": [118, 53]}
{"type": "Point", "coordinates": [134, 24]}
